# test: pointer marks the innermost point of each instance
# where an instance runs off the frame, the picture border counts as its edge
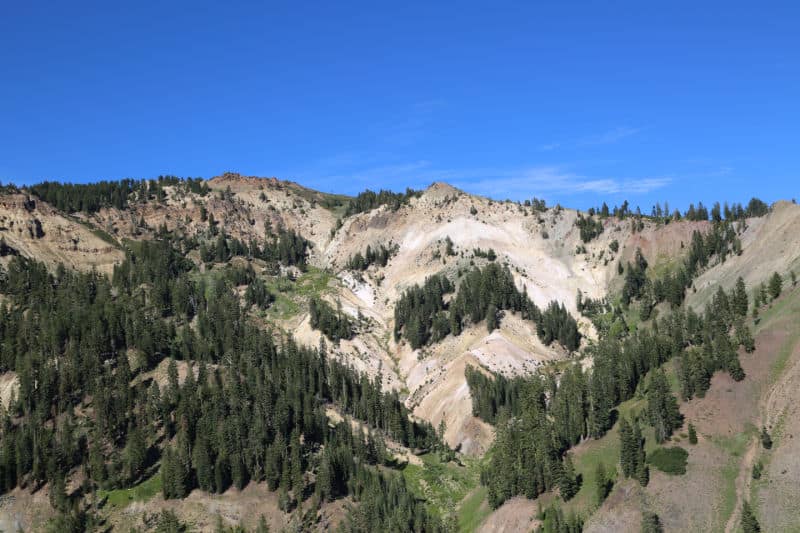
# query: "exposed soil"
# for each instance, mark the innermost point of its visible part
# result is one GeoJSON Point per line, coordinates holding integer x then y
{"type": "Point", "coordinates": [620, 512]}
{"type": "Point", "coordinates": [22, 510]}
{"type": "Point", "coordinates": [770, 244]}
{"type": "Point", "coordinates": [9, 387]}
{"type": "Point", "coordinates": [517, 514]}
{"type": "Point", "coordinates": [244, 507]}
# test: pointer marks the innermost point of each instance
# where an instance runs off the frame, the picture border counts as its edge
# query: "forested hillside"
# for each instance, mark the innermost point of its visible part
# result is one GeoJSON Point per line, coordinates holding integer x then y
{"type": "Point", "coordinates": [77, 341]}
{"type": "Point", "coordinates": [187, 354]}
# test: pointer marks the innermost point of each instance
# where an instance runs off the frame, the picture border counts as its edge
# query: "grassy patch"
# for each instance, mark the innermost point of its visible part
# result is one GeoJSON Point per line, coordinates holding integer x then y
{"type": "Point", "coordinates": [786, 349]}
{"type": "Point", "coordinates": [335, 203]}
{"type": "Point", "coordinates": [586, 458]}
{"type": "Point", "coordinates": [669, 460]}
{"type": "Point", "coordinates": [671, 370]}
{"type": "Point", "coordinates": [144, 491]}
{"type": "Point", "coordinates": [737, 444]}
{"type": "Point", "coordinates": [604, 450]}
{"type": "Point", "coordinates": [665, 264]}
{"type": "Point", "coordinates": [97, 232]}
{"type": "Point", "coordinates": [313, 282]}
{"type": "Point", "coordinates": [444, 485]}
{"type": "Point", "coordinates": [632, 408]}
{"type": "Point", "coordinates": [778, 309]}
{"type": "Point", "coordinates": [105, 236]}
{"type": "Point", "coordinates": [729, 474]}
{"type": "Point", "coordinates": [473, 511]}
{"type": "Point", "coordinates": [283, 307]}
{"type": "Point", "coordinates": [736, 447]}
{"type": "Point", "coordinates": [291, 296]}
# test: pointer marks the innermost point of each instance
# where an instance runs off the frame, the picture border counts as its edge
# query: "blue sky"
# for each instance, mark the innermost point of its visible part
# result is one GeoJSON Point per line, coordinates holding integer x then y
{"type": "Point", "coordinates": [574, 102]}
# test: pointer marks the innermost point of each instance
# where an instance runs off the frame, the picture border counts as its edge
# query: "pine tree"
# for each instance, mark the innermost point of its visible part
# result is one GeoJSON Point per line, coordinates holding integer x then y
{"type": "Point", "coordinates": [273, 462]}
{"type": "Point", "coordinates": [763, 294]}
{"type": "Point", "coordinates": [135, 454]}
{"type": "Point", "coordinates": [222, 473]}
{"type": "Point", "coordinates": [651, 523]}
{"type": "Point", "coordinates": [766, 439]}
{"type": "Point", "coordinates": [662, 408]}
{"type": "Point", "coordinates": [568, 485]}
{"type": "Point", "coordinates": [174, 483]}
{"type": "Point", "coordinates": [491, 318]}
{"type": "Point", "coordinates": [692, 434]}
{"type": "Point", "coordinates": [744, 337]}
{"type": "Point", "coordinates": [740, 298]}
{"type": "Point", "coordinates": [262, 525]}
{"type": "Point", "coordinates": [97, 461]}
{"type": "Point", "coordinates": [172, 381]}
{"type": "Point", "coordinates": [642, 471]}
{"type": "Point", "coordinates": [602, 483]}
{"type": "Point", "coordinates": [627, 448]}
{"type": "Point", "coordinates": [735, 369]}
{"type": "Point", "coordinates": [284, 500]}
{"type": "Point", "coordinates": [775, 285]}
{"type": "Point", "coordinates": [758, 468]}
{"type": "Point", "coordinates": [749, 522]}
{"type": "Point", "coordinates": [296, 465]}
{"type": "Point", "coordinates": [201, 462]}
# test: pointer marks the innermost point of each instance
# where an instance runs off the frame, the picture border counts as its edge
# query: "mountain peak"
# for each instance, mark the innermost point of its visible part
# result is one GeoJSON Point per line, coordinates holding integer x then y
{"type": "Point", "coordinates": [442, 188]}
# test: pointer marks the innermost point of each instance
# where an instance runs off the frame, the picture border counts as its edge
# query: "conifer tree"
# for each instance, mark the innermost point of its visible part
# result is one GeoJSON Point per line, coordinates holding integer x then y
{"type": "Point", "coordinates": [692, 434]}
{"type": "Point", "coordinates": [744, 337]}
{"type": "Point", "coordinates": [262, 525]}
{"type": "Point", "coordinates": [603, 483]}
{"type": "Point", "coordinates": [627, 448]}
{"type": "Point", "coordinates": [632, 454]}
{"type": "Point", "coordinates": [568, 485]}
{"type": "Point", "coordinates": [749, 522]}
{"type": "Point", "coordinates": [135, 454]}
{"type": "Point", "coordinates": [491, 318]}
{"type": "Point", "coordinates": [775, 285]}
{"type": "Point", "coordinates": [662, 408]}
{"type": "Point", "coordinates": [203, 465]}
{"type": "Point", "coordinates": [642, 472]}
{"type": "Point", "coordinates": [766, 439]}
{"type": "Point", "coordinates": [651, 523]}
{"type": "Point", "coordinates": [740, 298]}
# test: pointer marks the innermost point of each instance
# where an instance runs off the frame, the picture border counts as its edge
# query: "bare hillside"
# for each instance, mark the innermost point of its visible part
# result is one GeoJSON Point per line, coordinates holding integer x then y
{"type": "Point", "coordinates": [769, 244]}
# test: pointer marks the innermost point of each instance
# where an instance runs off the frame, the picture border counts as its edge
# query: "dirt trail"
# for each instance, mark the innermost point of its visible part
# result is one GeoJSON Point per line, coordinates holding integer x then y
{"type": "Point", "coordinates": [742, 484]}
{"type": "Point", "coordinates": [770, 412]}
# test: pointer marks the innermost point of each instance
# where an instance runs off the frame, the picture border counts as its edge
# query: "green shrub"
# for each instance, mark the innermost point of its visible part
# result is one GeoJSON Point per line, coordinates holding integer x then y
{"type": "Point", "coordinates": [669, 460]}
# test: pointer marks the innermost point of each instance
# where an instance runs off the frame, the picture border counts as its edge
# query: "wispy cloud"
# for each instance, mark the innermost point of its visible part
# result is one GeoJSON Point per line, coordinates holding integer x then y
{"type": "Point", "coordinates": [549, 147]}
{"type": "Point", "coordinates": [516, 183]}
{"type": "Point", "coordinates": [355, 178]}
{"type": "Point", "coordinates": [555, 180]}
{"type": "Point", "coordinates": [721, 171]}
{"type": "Point", "coordinates": [611, 136]}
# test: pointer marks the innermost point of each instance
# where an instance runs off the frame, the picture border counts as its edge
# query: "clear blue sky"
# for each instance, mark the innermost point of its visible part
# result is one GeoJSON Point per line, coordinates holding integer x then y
{"type": "Point", "coordinates": [574, 102]}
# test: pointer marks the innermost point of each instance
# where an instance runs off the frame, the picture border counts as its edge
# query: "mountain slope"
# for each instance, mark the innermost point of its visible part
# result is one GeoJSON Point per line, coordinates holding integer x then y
{"type": "Point", "coordinates": [445, 231]}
